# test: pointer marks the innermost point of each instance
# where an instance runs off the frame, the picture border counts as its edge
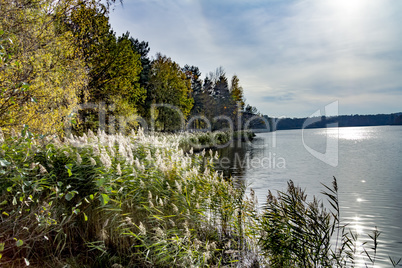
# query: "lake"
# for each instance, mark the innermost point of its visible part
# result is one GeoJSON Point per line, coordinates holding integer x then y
{"type": "Point", "coordinates": [365, 160]}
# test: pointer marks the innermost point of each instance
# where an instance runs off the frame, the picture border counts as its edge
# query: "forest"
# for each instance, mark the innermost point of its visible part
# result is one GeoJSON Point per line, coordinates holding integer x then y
{"type": "Point", "coordinates": [63, 67]}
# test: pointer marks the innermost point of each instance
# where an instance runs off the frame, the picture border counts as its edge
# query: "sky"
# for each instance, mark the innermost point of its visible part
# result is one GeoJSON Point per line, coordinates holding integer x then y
{"type": "Point", "coordinates": [293, 57]}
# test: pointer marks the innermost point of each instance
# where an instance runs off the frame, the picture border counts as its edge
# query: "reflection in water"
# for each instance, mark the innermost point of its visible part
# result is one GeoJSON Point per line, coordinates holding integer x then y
{"type": "Point", "coordinates": [369, 177]}
{"type": "Point", "coordinates": [236, 158]}
{"type": "Point", "coordinates": [348, 133]}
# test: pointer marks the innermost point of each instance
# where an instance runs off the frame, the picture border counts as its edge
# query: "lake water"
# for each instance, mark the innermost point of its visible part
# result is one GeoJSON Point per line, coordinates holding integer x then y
{"type": "Point", "coordinates": [365, 160]}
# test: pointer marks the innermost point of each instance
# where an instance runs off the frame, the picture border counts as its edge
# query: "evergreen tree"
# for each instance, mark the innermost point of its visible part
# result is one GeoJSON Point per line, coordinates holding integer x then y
{"type": "Point", "coordinates": [113, 65]}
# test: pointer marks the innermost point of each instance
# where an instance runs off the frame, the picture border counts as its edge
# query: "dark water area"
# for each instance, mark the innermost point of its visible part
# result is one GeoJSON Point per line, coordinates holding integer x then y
{"type": "Point", "coordinates": [365, 160]}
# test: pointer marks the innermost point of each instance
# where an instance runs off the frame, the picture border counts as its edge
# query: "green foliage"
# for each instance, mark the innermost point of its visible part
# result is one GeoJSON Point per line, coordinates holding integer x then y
{"type": "Point", "coordinates": [168, 85]}
{"type": "Point", "coordinates": [297, 233]}
{"type": "Point", "coordinates": [113, 64]}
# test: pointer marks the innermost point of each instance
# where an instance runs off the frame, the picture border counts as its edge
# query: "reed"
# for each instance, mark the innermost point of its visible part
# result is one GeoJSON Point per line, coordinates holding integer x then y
{"type": "Point", "coordinates": [103, 200]}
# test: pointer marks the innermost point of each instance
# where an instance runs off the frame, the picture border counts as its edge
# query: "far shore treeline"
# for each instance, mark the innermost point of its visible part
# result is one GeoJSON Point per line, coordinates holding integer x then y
{"type": "Point", "coordinates": [62, 65]}
{"type": "Point", "coordinates": [328, 121]}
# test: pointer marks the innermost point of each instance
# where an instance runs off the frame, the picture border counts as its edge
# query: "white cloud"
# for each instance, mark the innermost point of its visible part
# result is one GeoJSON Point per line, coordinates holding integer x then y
{"type": "Point", "coordinates": [289, 55]}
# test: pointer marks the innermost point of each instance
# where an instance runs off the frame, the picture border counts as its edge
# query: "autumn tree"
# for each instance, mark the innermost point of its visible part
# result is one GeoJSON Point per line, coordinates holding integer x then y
{"type": "Point", "coordinates": [40, 74]}
{"type": "Point", "coordinates": [236, 91]}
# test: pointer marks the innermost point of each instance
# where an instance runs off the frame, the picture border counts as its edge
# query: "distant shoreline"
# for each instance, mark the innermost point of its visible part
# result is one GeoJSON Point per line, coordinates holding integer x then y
{"type": "Point", "coordinates": [331, 121]}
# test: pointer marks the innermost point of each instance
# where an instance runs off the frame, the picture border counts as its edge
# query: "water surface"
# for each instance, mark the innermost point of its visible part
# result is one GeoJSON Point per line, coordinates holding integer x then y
{"type": "Point", "coordinates": [368, 170]}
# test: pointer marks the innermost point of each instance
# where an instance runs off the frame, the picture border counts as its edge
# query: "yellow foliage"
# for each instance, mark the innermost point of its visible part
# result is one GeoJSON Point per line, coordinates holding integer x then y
{"type": "Point", "coordinates": [40, 82]}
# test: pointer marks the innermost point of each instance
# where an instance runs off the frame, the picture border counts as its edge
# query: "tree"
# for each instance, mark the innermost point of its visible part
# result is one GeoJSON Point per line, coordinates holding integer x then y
{"type": "Point", "coordinates": [40, 74]}
{"type": "Point", "coordinates": [236, 91]}
{"type": "Point", "coordinates": [169, 85]}
{"type": "Point", "coordinates": [113, 65]}
{"type": "Point", "coordinates": [193, 74]}
{"type": "Point", "coordinates": [142, 48]}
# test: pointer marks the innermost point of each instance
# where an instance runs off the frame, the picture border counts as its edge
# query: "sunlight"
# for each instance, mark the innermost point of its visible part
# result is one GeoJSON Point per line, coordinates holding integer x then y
{"type": "Point", "coordinates": [353, 133]}
{"type": "Point", "coordinates": [347, 7]}
{"type": "Point", "coordinates": [357, 225]}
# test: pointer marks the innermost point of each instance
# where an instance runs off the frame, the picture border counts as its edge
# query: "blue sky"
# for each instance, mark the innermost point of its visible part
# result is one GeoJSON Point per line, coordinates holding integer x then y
{"type": "Point", "coordinates": [292, 56]}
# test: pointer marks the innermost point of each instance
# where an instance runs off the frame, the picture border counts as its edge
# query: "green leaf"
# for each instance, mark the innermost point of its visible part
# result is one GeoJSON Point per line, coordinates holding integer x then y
{"type": "Point", "coordinates": [104, 198]}
{"type": "Point", "coordinates": [2, 246]}
{"type": "Point", "coordinates": [91, 196]}
{"type": "Point", "coordinates": [19, 243]}
{"type": "Point", "coordinates": [68, 167]}
{"type": "Point", "coordinates": [85, 217]}
{"type": "Point", "coordinates": [69, 196]}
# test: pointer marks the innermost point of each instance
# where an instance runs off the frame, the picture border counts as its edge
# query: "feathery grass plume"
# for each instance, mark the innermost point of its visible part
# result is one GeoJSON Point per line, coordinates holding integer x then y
{"type": "Point", "coordinates": [178, 186]}
{"type": "Point", "coordinates": [42, 169]}
{"type": "Point", "coordinates": [105, 159]}
{"type": "Point", "coordinates": [118, 170]}
{"type": "Point", "coordinates": [122, 149]}
{"type": "Point", "coordinates": [161, 202]}
{"type": "Point", "coordinates": [91, 135]}
{"type": "Point", "coordinates": [32, 165]}
{"type": "Point", "coordinates": [142, 229]}
{"type": "Point", "coordinates": [93, 162]}
{"type": "Point", "coordinates": [79, 159]}
{"type": "Point", "coordinates": [175, 209]}
{"type": "Point", "coordinates": [159, 232]}
{"type": "Point", "coordinates": [96, 150]}
{"type": "Point", "coordinates": [142, 184]}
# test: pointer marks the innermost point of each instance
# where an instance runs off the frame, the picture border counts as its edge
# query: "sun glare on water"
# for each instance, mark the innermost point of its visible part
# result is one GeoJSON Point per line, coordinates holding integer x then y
{"type": "Point", "coordinates": [354, 133]}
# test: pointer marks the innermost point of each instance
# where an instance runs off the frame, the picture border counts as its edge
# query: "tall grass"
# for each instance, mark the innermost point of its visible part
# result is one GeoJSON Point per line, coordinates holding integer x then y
{"type": "Point", "coordinates": [100, 200]}
{"type": "Point", "coordinates": [297, 232]}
